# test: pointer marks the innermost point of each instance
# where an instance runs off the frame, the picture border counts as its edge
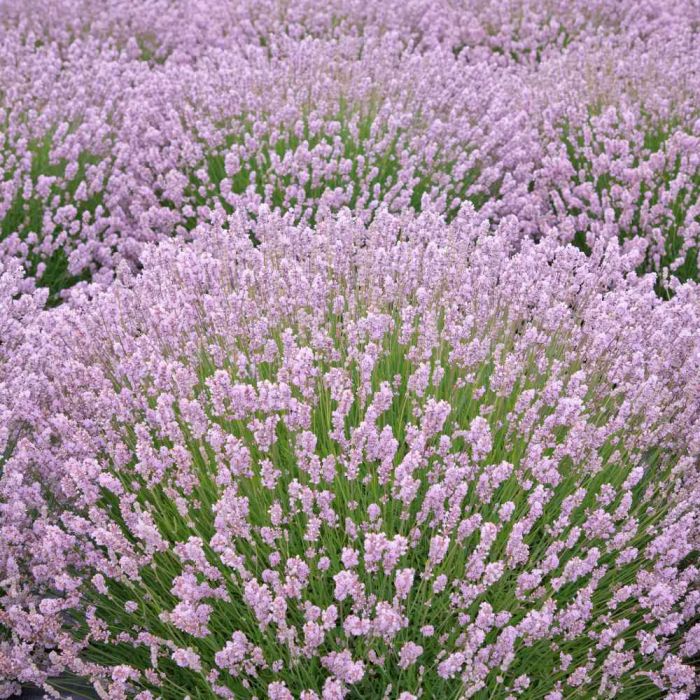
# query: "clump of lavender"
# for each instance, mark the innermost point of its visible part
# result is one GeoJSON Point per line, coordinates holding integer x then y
{"type": "Point", "coordinates": [123, 152]}
{"type": "Point", "coordinates": [515, 30]}
{"type": "Point", "coordinates": [60, 110]}
{"type": "Point", "coordinates": [383, 125]}
{"type": "Point", "coordinates": [389, 461]}
{"type": "Point", "coordinates": [621, 132]}
{"type": "Point", "coordinates": [124, 125]}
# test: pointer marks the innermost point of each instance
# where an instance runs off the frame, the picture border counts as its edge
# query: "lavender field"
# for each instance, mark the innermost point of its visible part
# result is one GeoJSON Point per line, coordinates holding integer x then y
{"type": "Point", "coordinates": [350, 349]}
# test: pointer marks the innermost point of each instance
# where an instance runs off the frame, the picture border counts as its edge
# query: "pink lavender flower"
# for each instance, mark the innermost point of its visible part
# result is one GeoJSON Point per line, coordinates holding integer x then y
{"type": "Point", "coordinates": [297, 519]}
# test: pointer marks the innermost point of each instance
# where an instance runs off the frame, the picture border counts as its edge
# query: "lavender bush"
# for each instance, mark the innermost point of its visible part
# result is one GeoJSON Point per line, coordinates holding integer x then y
{"type": "Point", "coordinates": [387, 461]}
{"type": "Point", "coordinates": [350, 349]}
{"type": "Point", "coordinates": [126, 125]}
{"type": "Point", "coordinates": [622, 127]}
{"type": "Point", "coordinates": [273, 128]}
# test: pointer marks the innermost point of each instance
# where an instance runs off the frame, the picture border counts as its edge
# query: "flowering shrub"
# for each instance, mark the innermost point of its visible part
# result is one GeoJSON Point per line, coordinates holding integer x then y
{"type": "Point", "coordinates": [150, 152]}
{"type": "Point", "coordinates": [335, 409]}
{"type": "Point", "coordinates": [385, 126]}
{"type": "Point", "coordinates": [622, 126]}
{"type": "Point", "coordinates": [399, 460]}
{"type": "Point", "coordinates": [127, 123]}
{"type": "Point", "coordinates": [59, 110]}
{"type": "Point", "coordinates": [520, 30]}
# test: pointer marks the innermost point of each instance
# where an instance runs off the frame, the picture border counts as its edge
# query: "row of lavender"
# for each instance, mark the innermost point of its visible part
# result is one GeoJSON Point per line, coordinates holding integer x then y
{"type": "Point", "coordinates": [364, 423]}
{"type": "Point", "coordinates": [127, 125]}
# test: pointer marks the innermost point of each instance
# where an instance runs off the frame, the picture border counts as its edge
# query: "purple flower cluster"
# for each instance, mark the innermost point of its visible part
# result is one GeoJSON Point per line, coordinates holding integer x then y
{"type": "Point", "coordinates": [378, 374]}
{"type": "Point", "coordinates": [392, 460]}
{"type": "Point", "coordinates": [125, 123]}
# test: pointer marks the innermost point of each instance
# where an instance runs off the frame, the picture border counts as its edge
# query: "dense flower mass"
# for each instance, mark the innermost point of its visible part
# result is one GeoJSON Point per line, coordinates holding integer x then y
{"type": "Point", "coordinates": [394, 460]}
{"type": "Point", "coordinates": [350, 349]}
{"type": "Point", "coordinates": [124, 123]}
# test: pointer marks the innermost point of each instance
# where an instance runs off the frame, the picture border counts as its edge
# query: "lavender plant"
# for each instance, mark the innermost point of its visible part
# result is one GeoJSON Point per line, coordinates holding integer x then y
{"type": "Point", "coordinates": [305, 127]}
{"type": "Point", "coordinates": [621, 160]}
{"type": "Point", "coordinates": [124, 124]}
{"type": "Point", "coordinates": [517, 30]}
{"type": "Point", "coordinates": [365, 425]}
{"type": "Point", "coordinates": [399, 460]}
